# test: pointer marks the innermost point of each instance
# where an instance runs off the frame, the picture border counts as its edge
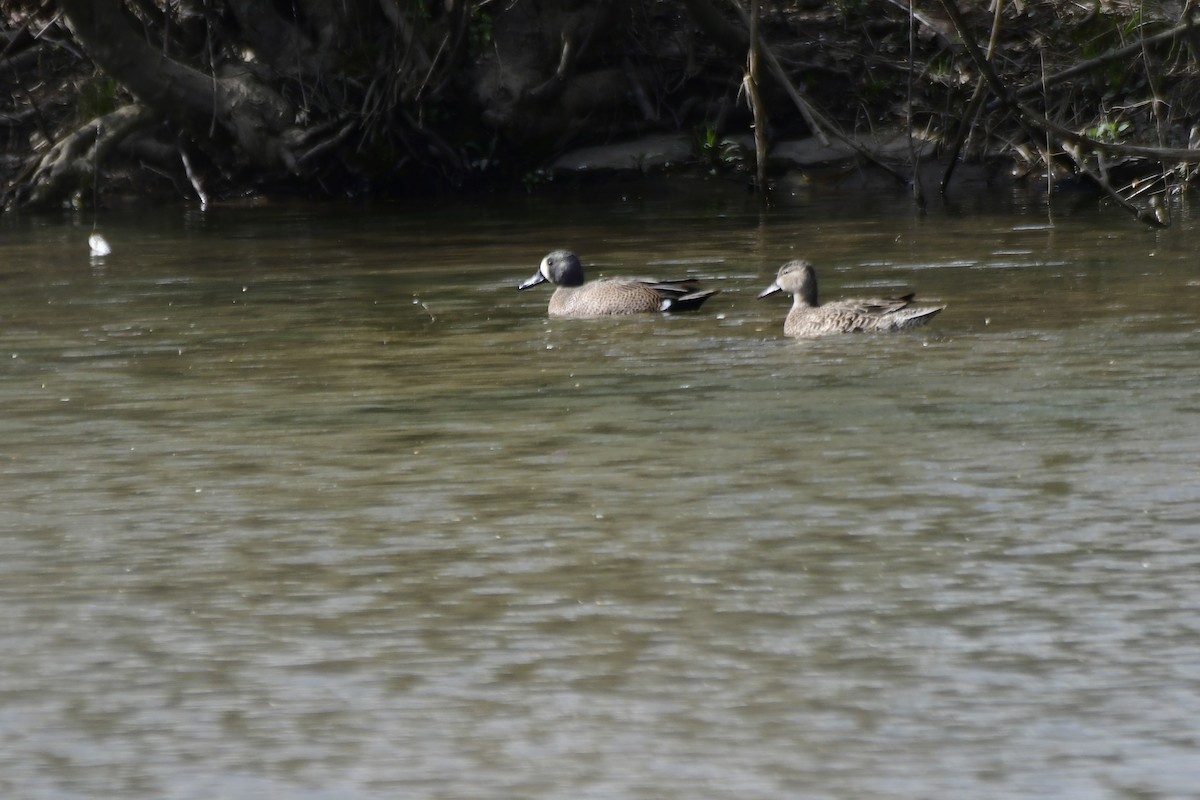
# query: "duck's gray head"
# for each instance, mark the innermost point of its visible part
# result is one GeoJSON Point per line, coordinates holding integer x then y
{"type": "Point", "coordinates": [796, 278]}
{"type": "Point", "coordinates": [560, 267]}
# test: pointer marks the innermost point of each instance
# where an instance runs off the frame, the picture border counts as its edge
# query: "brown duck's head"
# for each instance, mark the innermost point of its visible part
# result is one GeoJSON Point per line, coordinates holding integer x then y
{"type": "Point", "coordinates": [796, 278]}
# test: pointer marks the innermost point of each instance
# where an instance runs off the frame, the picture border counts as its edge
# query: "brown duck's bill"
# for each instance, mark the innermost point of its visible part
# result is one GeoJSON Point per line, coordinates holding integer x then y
{"type": "Point", "coordinates": [534, 281]}
{"type": "Point", "coordinates": [772, 289]}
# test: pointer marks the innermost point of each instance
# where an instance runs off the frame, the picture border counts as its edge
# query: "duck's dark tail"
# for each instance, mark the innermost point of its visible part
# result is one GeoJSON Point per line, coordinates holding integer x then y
{"type": "Point", "coordinates": [687, 302]}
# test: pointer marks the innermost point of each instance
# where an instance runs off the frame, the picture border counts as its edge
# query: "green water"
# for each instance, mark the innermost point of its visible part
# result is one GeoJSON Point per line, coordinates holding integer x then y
{"type": "Point", "coordinates": [310, 502]}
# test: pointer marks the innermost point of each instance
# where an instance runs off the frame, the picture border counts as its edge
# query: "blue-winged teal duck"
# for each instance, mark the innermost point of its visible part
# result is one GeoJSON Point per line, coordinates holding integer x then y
{"type": "Point", "coordinates": [574, 298]}
{"type": "Point", "coordinates": [809, 319]}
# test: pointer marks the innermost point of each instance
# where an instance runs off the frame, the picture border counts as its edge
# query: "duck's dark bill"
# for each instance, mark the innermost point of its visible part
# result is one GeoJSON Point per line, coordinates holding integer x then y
{"type": "Point", "coordinates": [534, 281]}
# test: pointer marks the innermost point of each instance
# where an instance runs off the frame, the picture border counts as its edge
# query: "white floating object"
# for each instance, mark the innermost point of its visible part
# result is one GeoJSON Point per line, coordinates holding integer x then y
{"type": "Point", "coordinates": [99, 245]}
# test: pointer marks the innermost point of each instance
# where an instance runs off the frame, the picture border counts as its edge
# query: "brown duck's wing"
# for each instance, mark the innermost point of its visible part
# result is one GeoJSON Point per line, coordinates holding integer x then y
{"type": "Point", "coordinates": [857, 316]}
{"type": "Point", "coordinates": [870, 306]}
{"type": "Point", "coordinates": [672, 286]}
{"type": "Point", "coordinates": [904, 316]}
{"type": "Point", "coordinates": [912, 317]}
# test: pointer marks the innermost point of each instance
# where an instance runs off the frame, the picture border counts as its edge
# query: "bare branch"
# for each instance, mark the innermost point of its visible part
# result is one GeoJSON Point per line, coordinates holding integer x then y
{"type": "Point", "coordinates": [1072, 141]}
{"type": "Point", "coordinates": [1103, 59]}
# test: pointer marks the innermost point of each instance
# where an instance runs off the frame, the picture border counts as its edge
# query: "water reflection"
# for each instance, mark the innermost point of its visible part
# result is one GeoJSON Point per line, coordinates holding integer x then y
{"type": "Point", "coordinates": [312, 502]}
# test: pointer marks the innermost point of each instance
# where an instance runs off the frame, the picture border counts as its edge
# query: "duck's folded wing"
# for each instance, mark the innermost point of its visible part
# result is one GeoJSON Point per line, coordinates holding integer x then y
{"type": "Point", "coordinates": [871, 306]}
{"type": "Point", "coordinates": [672, 286]}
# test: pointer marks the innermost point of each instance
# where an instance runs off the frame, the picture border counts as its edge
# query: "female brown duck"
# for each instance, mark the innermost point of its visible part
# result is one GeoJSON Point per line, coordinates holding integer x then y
{"type": "Point", "coordinates": [809, 319]}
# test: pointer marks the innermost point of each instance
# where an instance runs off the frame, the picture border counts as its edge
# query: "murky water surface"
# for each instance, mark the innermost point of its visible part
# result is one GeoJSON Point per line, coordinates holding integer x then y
{"type": "Point", "coordinates": [309, 502]}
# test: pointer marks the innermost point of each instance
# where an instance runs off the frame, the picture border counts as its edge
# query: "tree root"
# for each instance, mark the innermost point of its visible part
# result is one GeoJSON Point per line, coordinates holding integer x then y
{"type": "Point", "coordinates": [71, 163]}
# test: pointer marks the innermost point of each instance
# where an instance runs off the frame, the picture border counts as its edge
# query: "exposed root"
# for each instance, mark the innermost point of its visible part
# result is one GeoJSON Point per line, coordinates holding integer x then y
{"type": "Point", "coordinates": [71, 163]}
